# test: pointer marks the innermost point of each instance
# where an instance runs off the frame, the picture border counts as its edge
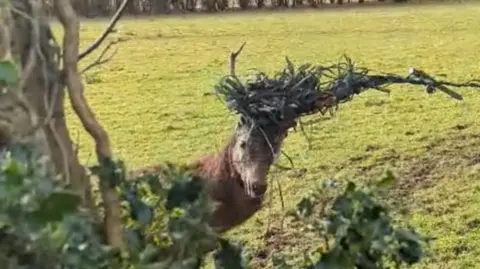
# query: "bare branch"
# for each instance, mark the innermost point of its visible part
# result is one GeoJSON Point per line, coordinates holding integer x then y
{"type": "Point", "coordinates": [16, 96]}
{"type": "Point", "coordinates": [34, 52]}
{"type": "Point", "coordinates": [34, 38]}
{"type": "Point", "coordinates": [5, 35]}
{"type": "Point", "coordinates": [233, 58]}
{"type": "Point", "coordinates": [107, 31]}
{"type": "Point", "coordinates": [101, 59]}
{"type": "Point", "coordinates": [70, 23]}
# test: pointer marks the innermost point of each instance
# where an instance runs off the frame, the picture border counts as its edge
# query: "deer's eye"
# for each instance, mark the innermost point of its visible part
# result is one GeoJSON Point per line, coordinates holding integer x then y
{"type": "Point", "coordinates": [243, 144]}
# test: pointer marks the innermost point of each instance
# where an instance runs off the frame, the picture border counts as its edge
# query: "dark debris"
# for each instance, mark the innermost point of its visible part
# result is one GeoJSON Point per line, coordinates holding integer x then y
{"type": "Point", "coordinates": [309, 89]}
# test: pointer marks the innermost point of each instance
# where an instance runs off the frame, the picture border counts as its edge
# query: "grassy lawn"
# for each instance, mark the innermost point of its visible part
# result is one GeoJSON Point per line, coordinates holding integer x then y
{"type": "Point", "coordinates": [151, 98]}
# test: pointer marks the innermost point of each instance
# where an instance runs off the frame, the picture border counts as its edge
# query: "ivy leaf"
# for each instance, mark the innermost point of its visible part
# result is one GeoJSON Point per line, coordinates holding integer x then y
{"type": "Point", "coordinates": [149, 254]}
{"type": "Point", "coordinates": [143, 213]}
{"type": "Point", "coordinates": [8, 74]}
{"type": "Point", "coordinates": [183, 192]}
{"type": "Point", "coordinates": [330, 260]}
{"type": "Point", "coordinates": [14, 172]}
{"type": "Point", "coordinates": [57, 205]}
{"type": "Point", "coordinates": [304, 208]}
{"type": "Point", "coordinates": [133, 239]}
{"type": "Point", "coordinates": [279, 262]}
{"type": "Point", "coordinates": [350, 187]}
{"type": "Point", "coordinates": [229, 256]}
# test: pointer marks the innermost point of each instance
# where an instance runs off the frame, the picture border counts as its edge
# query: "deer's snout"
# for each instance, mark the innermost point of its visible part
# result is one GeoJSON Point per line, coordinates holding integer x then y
{"type": "Point", "coordinates": [259, 189]}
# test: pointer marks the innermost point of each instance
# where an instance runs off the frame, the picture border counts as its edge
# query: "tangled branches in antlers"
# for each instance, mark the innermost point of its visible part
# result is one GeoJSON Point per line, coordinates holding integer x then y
{"type": "Point", "coordinates": [309, 89]}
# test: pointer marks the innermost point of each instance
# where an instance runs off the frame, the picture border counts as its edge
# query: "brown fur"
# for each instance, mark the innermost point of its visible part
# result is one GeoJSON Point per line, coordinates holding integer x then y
{"type": "Point", "coordinates": [229, 177]}
{"type": "Point", "coordinates": [224, 187]}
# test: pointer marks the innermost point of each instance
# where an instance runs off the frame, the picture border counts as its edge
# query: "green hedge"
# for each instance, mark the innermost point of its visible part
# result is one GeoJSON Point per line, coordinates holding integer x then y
{"type": "Point", "coordinates": [43, 226]}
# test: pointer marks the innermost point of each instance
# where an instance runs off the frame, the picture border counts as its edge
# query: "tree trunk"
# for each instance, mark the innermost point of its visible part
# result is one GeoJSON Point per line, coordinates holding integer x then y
{"type": "Point", "coordinates": [42, 90]}
{"type": "Point", "coordinates": [32, 108]}
{"type": "Point", "coordinates": [243, 4]}
{"type": "Point", "coordinates": [133, 8]}
{"type": "Point", "coordinates": [159, 6]}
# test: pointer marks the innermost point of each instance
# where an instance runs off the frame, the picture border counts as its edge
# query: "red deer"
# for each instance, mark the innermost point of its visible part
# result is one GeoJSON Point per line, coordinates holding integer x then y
{"type": "Point", "coordinates": [238, 173]}
{"type": "Point", "coordinates": [236, 177]}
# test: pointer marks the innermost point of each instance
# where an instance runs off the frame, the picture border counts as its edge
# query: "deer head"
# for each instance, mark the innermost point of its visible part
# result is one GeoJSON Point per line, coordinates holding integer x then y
{"type": "Point", "coordinates": [253, 151]}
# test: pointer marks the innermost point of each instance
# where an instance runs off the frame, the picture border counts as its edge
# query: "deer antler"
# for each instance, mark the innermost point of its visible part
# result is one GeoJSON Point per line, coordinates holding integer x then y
{"type": "Point", "coordinates": [233, 57]}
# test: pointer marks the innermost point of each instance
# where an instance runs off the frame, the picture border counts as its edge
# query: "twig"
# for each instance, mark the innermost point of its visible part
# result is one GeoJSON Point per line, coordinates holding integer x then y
{"type": "Point", "coordinates": [282, 203]}
{"type": "Point", "coordinates": [270, 205]}
{"type": "Point", "coordinates": [291, 94]}
{"type": "Point", "coordinates": [233, 58]}
{"type": "Point", "coordinates": [34, 40]}
{"type": "Point", "coordinates": [76, 146]}
{"type": "Point", "coordinates": [100, 59]}
{"type": "Point", "coordinates": [270, 199]}
{"type": "Point", "coordinates": [309, 141]}
{"type": "Point", "coordinates": [105, 33]}
{"type": "Point", "coordinates": [282, 168]}
{"type": "Point", "coordinates": [69, 20]}
{"type": "Point", "coordinates": [51, 95]}
{"type": "Point", "coordinates": [5, 40]}
{"type": "Point", "coordinates": [289, 159]}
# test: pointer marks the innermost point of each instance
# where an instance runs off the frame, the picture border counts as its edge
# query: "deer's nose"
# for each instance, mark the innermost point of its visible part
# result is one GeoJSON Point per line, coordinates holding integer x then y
{"type": "Point", "coordinates": [259, 189]}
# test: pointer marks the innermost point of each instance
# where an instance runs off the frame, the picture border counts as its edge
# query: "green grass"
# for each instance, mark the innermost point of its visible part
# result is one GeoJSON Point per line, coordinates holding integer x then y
{"type": "Point", "coordinates": [150, 98]}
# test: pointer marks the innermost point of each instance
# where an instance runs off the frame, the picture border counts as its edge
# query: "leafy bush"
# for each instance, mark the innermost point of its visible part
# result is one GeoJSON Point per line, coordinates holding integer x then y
{"type": "Point", "coordinates": [40, 225]}
{"type": "Point", "coordinates": [356, 228]}
{"type": "Point", "coordinates": [43, 226]}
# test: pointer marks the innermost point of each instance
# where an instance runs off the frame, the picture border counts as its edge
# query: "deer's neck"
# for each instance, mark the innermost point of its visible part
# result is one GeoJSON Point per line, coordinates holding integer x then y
{"type": "Point", "coordinates": [218, 172]}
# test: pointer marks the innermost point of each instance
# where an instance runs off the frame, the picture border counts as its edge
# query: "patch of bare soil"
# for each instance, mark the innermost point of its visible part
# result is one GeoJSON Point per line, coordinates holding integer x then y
{"type": "Point", "coordinates": [290, 238]}
{"type": "Point", "coordinates": [274, 241]}
{"type": "Point", "coordinates": [445, 157]}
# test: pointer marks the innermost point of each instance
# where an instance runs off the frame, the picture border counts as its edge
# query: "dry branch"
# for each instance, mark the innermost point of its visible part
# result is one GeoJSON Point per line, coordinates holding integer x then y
{"type": "Point", "coordinates": [101, 59]}
{"type": "Point", "coordinates": [116, 17]}
{"type": "Point", "coordinates": [18, 115]}
{"type": "Point", "coordinates": [233, 58]}
{"type": "Point", "coordinates": [32, 54]}
{"type": "Point", "coordinates": [70, 22]}
{"type": "Point", "coordinates": [38, 45]}
{"type": "Point", "coordinates": [293, 93]}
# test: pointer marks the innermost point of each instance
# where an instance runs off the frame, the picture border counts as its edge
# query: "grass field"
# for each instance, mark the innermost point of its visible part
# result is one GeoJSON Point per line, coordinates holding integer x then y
{"type": "Point", "coordinates": [151, 98]}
